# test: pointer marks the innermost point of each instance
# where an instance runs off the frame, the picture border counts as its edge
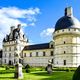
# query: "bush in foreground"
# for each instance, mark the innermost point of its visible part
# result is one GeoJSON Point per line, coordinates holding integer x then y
{"type": "Point", "coordinates": [76, 75]}
{"type": "Point", "coordinates": [27, 67]}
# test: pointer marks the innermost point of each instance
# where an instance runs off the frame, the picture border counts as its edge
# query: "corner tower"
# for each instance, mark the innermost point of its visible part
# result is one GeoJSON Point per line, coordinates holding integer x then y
{"type": "Point", "coordinates": [67, 40]}
{"type": "Point", "coordinates": [13, 45]}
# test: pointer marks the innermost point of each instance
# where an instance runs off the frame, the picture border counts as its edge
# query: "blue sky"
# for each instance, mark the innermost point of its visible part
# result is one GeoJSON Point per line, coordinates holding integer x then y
{"type": "Point", "coordinates": [37, 16]}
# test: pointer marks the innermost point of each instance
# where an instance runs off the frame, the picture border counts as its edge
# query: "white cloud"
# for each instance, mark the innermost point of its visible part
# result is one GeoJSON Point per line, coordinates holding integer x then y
{"type": "Point", "coordinates": [47, 32]}
{"type": "Point", "coordinates": [11, 16]}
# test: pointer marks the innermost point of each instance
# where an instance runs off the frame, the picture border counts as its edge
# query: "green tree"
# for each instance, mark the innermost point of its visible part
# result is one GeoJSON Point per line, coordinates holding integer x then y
{"type": "Point", "coordinates": [76, 75]}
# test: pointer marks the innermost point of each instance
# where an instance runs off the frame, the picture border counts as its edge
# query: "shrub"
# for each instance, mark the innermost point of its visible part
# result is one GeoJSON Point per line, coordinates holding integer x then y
{"type": "Point", "coordinates": [68, 69]}
{"type": "Point", "coordinates": [76, 75]}
{"type": "Point", "coordinates": [3, 65]}
{"type": "Point", "coordinates": [7, 67]}
{"type": "Point", "coordinates": [11, 66]}
{"type": "Point", "coordinates": [28, 70]}
{"type": "Point", "coordinates": [27, 67]}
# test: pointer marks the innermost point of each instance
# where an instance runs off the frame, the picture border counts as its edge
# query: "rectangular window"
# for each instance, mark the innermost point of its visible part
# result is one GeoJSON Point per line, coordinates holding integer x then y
{"type": "Point", "coordinates": [9, 48]}
{"type": "Point", "coordinates": [51, 53]}
{"type": "Point", "coordinates": [30, 54]}
{"type": "Point", "coordinates": [64, 42]}
{"type": "Point", "coordinates": [5, 54]}
{"type": "Point", "coordinates": [5, 61]}
{"type": "Point", "coordinates": [24, 54]}
{"type": "Point", "coordinates": [14, 61]}
{"type": "Point", "coordinates": [63, 30]}
{"type": "Point", "coordinates": [9, 54]}
{"type": "Point", "coordinates": [69, 29]}
{"type": "Point", "coordinates": [51, 46]}
{"type": "Point", "coordinates": [64, 62]}
{"type": "Point", "coordinates": [64, 52]}
{"type": "Point", "coordinates": [44, 54]}
{"type": "Point", "coordinates": [37, 54]}
{"type": "Point", "coordinates": [52, 61]}
{"type": "Point", "coordinates": [15, 48]}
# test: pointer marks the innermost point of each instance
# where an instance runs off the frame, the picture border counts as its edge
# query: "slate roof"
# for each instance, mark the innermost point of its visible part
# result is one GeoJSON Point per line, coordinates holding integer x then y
{"type": "Point", "coordinates": [37, 46]}
{"type": "Point", "coordinates": [67, 22]}
{"type": "Point", "coordinates": [14, 35]}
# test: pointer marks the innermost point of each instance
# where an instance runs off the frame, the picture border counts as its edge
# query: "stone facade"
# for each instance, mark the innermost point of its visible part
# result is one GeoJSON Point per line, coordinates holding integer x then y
{"type": "Point", "coordinates": [64, 51]}
{"type": "Point", "coordinates": [67, 41]}
{"type": "Point", "coordinates": [67, 48]}
{"type": "Point", "coordinates": [13, 45]}
{"type": "Point", "coordinates": [38, 57]}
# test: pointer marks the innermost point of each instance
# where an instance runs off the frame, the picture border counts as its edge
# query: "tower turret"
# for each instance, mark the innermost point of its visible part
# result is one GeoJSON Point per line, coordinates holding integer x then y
{"type": "Point", "coordinates": [67, 40]}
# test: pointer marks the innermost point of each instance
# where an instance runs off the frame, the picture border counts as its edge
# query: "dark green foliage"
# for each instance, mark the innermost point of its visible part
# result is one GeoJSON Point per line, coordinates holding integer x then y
{"type": "Point", "coordinates": [67, 69]}
{"type": "Point", "coordinates": [27, 67]}
{"type": "Point", "coordinates": [7, 67]}
{"type": "Point", "coordinates": [28, 70]}
{"type": "Point", "coordinates": [11, 67]}
{"type": "Point", "coordinates": [46, 69]}
{"type": "Point", "coordinates": [76, 75]}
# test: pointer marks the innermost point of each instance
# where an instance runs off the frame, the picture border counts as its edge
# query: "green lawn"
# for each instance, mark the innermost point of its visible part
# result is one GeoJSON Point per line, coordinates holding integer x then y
{"type": "Point", "coordinates": [37, 75]}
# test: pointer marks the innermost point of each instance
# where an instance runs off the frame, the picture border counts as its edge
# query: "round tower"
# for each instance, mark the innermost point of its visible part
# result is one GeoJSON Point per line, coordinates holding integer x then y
{"type": "Point", "coordinates": [67, 40]}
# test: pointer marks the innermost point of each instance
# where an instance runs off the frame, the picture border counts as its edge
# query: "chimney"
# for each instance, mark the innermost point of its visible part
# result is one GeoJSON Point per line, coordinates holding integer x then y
{"type": "Point", "coordinates": [12, 28]}
{"type": "Point", "coordinates": [19, 26]}
{"type": "Point", "coordinates": [69, 11]}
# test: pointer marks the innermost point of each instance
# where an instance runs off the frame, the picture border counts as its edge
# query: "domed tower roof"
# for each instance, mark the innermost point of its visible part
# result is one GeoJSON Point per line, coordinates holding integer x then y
{"type": "Point", "coordinates": [67, 21]}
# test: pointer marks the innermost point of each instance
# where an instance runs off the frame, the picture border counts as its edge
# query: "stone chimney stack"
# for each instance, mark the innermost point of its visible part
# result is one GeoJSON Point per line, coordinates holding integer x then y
{"type": "Point", "coordinates": [19, 26]}
{"type": "Point", "coordinates": [12, 28]}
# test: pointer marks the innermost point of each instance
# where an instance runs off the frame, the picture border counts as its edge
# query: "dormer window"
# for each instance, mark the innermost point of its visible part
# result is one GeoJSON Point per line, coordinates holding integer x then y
{"type": "Point", "coordinates": [51, 46]}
